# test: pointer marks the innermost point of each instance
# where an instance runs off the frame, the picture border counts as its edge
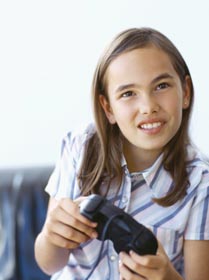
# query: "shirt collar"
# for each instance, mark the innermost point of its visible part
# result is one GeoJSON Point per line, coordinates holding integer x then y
{"type": "Point", "coordinates": [150, 173]}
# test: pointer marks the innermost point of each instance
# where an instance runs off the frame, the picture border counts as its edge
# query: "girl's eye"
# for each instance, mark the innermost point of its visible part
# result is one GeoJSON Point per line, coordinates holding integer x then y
{"type": "Point", "coordinates": [127, 94]}
{"type": "Point", "coordinates": [162, 86]}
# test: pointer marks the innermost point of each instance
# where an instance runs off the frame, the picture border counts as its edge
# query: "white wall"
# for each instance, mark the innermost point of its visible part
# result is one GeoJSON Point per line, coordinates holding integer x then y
{"type": "Point", "coordinates": [48, 51]}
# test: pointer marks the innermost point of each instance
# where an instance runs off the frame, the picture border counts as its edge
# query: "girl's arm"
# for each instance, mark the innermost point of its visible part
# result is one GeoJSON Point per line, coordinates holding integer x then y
{"type": "Point", "coordinates": [63, 230]}
{"type": "Point", "coordinates": [196, 258]}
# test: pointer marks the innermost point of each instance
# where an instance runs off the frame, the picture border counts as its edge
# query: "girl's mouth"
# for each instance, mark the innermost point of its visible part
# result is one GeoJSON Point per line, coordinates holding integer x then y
{"type": "Point", "coordinates": [151, 127]}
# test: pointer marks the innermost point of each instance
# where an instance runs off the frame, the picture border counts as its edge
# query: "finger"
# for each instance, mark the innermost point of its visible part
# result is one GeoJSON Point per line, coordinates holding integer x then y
{"type": "Point", "coordinates": [135, 267]}
{"type": "Point", "coordinates": [72, 209]}
{"type": "Point", "coordinates": [60, 220]}
{"type": "Point", "coordinates": [131, 264]}
{"type": "Point", "coordinates": [62, 242]}
{"type": "Point", "coordinates": [160, 250]}
{"type": "Point", "coordinates": [126, 273]}
{"type": "Point", "coordinates": [79, 200]}
{"type": "Point", "coordinates": [70, 233]}
{"type": "Point", "coordinates": [77, 227]}
{"type": "Point", "coordinates": [149, 261]}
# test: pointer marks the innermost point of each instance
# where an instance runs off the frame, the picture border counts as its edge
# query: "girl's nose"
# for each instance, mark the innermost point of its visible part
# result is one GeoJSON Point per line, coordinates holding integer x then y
{"type": "Point", "coordinates": [148, 105]}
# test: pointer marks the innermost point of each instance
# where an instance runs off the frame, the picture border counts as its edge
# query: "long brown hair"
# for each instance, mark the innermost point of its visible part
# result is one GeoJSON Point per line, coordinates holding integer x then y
{"type": "Point", "coordinates": [102, 157]}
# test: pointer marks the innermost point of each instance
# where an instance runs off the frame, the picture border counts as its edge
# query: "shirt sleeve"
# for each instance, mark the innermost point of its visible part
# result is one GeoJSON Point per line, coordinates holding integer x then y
{"type": "Point", "coordinates": [63, 181]}
{"type": "Point", "coordinates": [198, 223]}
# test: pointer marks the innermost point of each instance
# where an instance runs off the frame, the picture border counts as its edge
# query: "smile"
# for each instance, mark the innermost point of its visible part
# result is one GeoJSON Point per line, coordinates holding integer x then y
{"type": "Point", "coordinates": [151, 125]}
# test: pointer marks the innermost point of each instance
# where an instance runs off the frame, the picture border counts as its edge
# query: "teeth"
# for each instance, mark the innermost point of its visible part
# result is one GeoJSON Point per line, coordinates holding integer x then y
{"type": "Point", "coordinates": [151, 125]}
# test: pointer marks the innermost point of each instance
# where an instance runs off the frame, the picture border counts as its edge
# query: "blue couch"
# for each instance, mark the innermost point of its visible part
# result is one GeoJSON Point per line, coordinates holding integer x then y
{"type": "Point", "coordinates": [23, 206]}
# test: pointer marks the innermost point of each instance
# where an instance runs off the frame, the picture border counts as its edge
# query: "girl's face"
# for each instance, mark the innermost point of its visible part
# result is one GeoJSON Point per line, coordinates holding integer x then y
{"type": "Point", "coordinates": [146, 99]}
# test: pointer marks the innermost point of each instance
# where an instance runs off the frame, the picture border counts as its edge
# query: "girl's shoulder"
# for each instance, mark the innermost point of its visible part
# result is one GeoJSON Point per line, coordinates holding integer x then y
{"type": "Point", "coordinates": [74, 141]}
{"type": "Point", "coordinates": [195, 158]}
{"type": "Point", "coordinates": [80, 136]}
{"type": "Point", "coordinates": [198, 169]}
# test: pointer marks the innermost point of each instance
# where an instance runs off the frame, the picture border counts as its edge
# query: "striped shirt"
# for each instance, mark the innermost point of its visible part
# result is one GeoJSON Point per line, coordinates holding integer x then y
{"type": "Point", "coordinates": [186, 219]}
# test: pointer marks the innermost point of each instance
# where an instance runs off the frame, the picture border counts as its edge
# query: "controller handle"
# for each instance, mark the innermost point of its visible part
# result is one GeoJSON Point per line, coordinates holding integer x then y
{"type": "Point", "coordinates": [124, 231]}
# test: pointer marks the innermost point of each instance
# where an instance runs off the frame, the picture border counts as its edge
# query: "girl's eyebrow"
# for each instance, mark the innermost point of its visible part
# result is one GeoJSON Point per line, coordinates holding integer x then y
{"type": "Point", "coordinates": [124, 87]}
{"type": "Point", "coordinates": [162, 76]}
{"type": "Point", "coordinates": [132, 85]}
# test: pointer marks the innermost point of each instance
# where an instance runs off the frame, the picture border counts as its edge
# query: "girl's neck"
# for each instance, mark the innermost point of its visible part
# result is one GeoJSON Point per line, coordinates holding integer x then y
{"type": "Point", "coordinates": [138, 159]}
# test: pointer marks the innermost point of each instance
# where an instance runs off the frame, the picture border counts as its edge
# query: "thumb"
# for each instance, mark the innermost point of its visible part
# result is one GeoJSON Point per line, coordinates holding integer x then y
{"type": "Point", "coordinates": [160, 250]}
{"type": "Point", "coordinates": [79, 200]}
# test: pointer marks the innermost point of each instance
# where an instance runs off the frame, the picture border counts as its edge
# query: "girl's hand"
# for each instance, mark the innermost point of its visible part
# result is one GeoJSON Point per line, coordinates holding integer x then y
{"type": "Point", "coordinates": [65, 227]}
{"type": "Point", "coordinates": [150, 267]}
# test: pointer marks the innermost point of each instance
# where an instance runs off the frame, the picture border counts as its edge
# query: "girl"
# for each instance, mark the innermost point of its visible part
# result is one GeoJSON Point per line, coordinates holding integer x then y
{"type": "Point", "coordinates": [139, 155]}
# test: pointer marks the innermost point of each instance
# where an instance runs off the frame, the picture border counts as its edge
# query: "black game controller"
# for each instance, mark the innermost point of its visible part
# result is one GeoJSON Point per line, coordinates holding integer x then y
{"type": "Point", "coordinates": [125, 232]}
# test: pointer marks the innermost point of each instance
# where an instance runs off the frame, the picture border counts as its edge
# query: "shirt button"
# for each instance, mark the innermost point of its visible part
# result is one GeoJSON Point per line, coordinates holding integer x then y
{"type": "Point", "coordinates": [112, 258]}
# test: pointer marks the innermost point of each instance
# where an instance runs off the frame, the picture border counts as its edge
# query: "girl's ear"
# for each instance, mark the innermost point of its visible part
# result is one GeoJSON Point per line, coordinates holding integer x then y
{"type": "Point", "coordinates": [107, 108]}
{"type": "Point", "coordinates": [187, 93]}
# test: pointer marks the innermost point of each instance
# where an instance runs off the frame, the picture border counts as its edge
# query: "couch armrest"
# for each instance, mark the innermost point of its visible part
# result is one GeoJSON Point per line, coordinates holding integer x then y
{"type": "Point", "coordinates": [23, 205]}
